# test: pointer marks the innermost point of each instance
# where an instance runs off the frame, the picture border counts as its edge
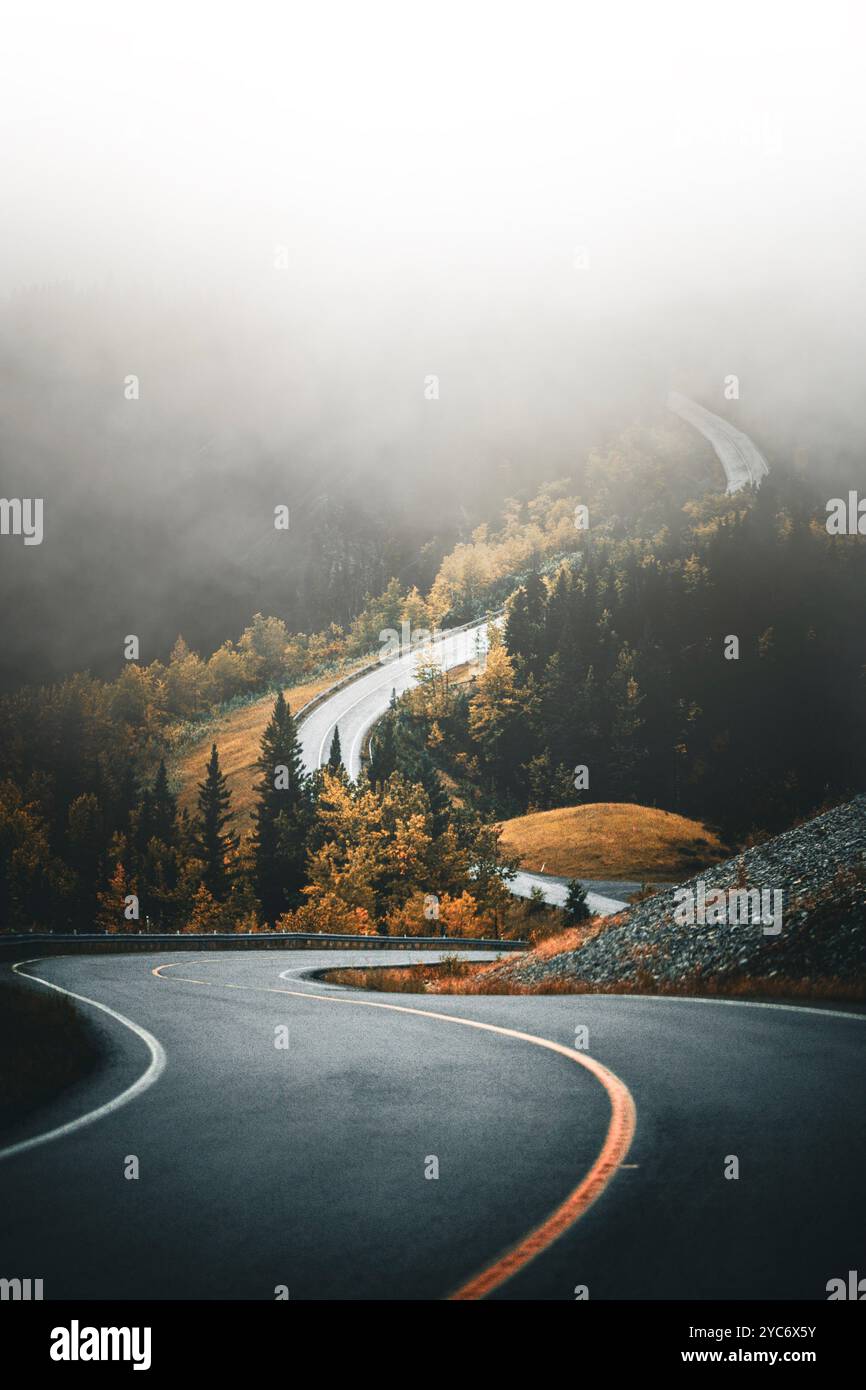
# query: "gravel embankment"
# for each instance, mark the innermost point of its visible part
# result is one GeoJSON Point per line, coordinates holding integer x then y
{"type": "Point", "coordinates": [820, 870]}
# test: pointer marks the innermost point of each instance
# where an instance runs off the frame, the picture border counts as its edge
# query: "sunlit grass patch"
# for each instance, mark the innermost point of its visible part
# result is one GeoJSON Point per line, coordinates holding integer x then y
{"type": "Point", "coordinates": [612, 840]}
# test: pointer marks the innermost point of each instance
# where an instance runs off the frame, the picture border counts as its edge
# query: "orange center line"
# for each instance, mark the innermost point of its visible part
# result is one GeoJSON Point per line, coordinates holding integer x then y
{"type": "Point", "coordinates": [620, 1132]}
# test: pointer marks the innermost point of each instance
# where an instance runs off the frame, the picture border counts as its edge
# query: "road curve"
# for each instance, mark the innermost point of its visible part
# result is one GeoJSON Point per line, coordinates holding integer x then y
{"type": "Point", "coordinates": [356, 707]}
{"type": "Point", "coordinates": [742, 460]}
{"type": "Point", "coordinates": [555, 890]}
{"type": "Point", "coordinates": [305, 1166]}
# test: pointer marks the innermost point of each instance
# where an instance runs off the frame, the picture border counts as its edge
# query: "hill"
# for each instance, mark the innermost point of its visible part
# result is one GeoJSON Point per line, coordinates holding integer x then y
{"type": "Point", "coordinates": [611, 840]}
{"type": "Point", "coordinates": [809, 941]}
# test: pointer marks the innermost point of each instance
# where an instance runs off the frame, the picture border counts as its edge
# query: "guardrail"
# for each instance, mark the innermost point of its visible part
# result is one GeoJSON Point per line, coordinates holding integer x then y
{"type": "Point", "coordinates": [47, 943]}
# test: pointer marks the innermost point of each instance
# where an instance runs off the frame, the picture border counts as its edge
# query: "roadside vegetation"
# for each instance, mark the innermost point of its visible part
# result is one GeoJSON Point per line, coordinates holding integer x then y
{"type": "Point", "coordinates": [476, 978]}
{"type": "Point", "coordinates": [615, 679]}
{"type": "Point", "coordinates": [45, 1046]}
{"type": "Point", "coordinates": [158, 786]}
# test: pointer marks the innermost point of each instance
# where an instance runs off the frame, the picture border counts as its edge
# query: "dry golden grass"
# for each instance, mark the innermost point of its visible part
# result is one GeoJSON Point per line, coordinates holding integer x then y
{"type": "Point", "coordinates": [612, 840]}
{"type": "Point", "coordinates": [569, 940]}
{"type": "Point", "coordinates": [489, 978]}
{"type": "Point", "coordinates": [238, 735]}
{"type": "Point", "coordinates": [401, 979]}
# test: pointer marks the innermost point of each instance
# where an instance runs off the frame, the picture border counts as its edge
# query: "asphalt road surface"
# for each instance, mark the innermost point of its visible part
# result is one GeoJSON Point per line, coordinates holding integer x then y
{"type": "Point", "coordinates": [305, 1166]}
{"type": "Point", "coordinates": [741, 459]}
{"type": "Point", "coordinates": [357, 707]}
{"type": "Point", "coordinates": [599, 897]}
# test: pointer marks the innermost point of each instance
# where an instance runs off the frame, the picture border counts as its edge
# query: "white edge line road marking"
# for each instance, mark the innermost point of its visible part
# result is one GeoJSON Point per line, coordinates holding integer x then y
{"type": "Point", "coordinates": [158, 1057]}
{"type": "Point", "coordinates": [152, 1073]}
{"type": "Point", "coordinates": [819, 1010]}
{"type": "Point", "coordinates": [443, 644]}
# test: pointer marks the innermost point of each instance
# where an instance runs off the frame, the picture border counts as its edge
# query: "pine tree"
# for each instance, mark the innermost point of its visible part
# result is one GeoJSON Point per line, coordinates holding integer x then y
{"type": "Point", "coordinates": [383, 752]}
{"type": "Point", "coordinates": [627, 752]}
{"type": "Point", "coordinates": [125, 796]}
{"type": "Point", "coordinates": [576, 908]}
{"type": "Point", "coordinates": [525, 637]}
{"type": "Point", "coordinates": [420, 768]}
{"type": "Point", "coordinates": [213, 843]}
{"type": "Point", "coordinates": [282, 816]}
{"type": "Point", "coordinates": [164, 808]}
{"type": "Point", "coordinates": [335, 757]}
{"type": "Point", "coordinates": [206, 915]}
{"type": "Point", "coordinates": [142, 823]}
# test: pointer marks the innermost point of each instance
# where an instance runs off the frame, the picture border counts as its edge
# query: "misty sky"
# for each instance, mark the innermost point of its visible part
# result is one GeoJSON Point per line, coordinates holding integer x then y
{"type": "Point", "coordinates": [445, 145]}
{"type": "Point", "coordinates": [282, 218]}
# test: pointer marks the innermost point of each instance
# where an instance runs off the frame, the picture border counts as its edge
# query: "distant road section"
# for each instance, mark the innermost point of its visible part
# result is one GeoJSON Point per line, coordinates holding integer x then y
{"type": "Point", "coordinates": [742, 460]}
{"type": "Point", "coordinates": [357, 706]}
{"type": "Point", "coordinates": [555, 890]}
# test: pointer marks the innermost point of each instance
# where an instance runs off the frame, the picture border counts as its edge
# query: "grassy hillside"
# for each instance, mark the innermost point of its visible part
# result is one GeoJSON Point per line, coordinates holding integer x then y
{"type": "Point", "coordinates": [611, 840]}
{"type": "Point", "coordinates": [238, 735]}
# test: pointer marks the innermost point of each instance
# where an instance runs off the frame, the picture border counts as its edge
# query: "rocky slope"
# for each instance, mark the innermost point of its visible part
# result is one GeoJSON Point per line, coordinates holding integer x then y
{"type": "Point", "coordinates": [819, 934]}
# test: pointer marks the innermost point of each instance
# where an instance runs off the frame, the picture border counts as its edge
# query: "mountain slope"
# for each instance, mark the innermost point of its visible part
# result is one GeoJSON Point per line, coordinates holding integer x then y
{"type": "Point", "coordinates": [818, 868]}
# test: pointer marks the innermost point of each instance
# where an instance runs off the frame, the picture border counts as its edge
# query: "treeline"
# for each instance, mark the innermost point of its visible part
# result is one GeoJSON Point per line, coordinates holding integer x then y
{"type": "Point", "coordinates": [716, 670]}
{"type": "Point", "coordinates": [85, 802]}
{"type": "Point", "coordinates": [87, 812]}
{"type": "Point", "coordinates": [321, 854]}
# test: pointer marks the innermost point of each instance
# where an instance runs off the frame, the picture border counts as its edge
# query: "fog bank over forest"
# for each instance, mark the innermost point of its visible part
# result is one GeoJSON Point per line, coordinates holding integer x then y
{"type": "Point", "coordinates": [284, 233]}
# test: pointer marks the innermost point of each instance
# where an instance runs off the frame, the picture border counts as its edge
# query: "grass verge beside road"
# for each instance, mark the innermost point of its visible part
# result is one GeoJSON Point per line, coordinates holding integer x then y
{"type": "Point", "coordinates": [45, 1046]}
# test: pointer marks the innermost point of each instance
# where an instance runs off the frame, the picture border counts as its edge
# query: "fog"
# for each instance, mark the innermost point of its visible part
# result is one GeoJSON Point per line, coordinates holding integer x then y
{"type": "Point", "coordinates": [283, 220]}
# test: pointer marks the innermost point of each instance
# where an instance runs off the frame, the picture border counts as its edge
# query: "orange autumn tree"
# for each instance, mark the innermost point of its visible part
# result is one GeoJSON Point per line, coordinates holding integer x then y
{"type": "Point", "coordinates": [374, 851]}
{"type": "Point", "coordinates": [425, 914]}
{"type": "Point", "coordinates": [111, 915]}
{"type": "Point", "coordinates": [207, 914]}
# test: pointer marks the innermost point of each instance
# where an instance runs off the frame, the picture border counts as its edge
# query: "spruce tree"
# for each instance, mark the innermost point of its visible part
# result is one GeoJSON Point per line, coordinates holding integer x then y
{"type": "Point", "coordinates": [335, 757]}
{"type": "Point", "coordinates": [282, 816]}
{"type": "Point", "coordinates": [164, 812]}
{"type": "Point", "coordinates": [126, 795]}
{"type": "Point", "coordinates": [383, 752]}
{"type": "Point", "coordinates": [576, 908]}
{"type": "Point", "coordinates": [418, 766]}
{"type": "Point", "coordinates": [142, 822]}
{"type": "Point", "coordinates": [212, 841]}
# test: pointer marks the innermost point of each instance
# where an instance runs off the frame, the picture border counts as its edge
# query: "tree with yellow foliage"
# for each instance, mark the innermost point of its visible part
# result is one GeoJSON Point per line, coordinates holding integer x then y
{"type": "Point", "coordinates": [207, 913]}
{"type": "Point", "coordinates": [112, 905]}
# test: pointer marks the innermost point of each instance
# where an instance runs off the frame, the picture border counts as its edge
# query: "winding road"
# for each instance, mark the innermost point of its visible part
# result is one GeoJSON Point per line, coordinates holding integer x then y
{"type": "Point", "coordinates": [506, 1147]}
{"type": "Point", "coordinates": [311, 1166]}
{"type": "Point", "coordinates": [742, 460]}
{"type": "Point", "coordinates": [354, 709]}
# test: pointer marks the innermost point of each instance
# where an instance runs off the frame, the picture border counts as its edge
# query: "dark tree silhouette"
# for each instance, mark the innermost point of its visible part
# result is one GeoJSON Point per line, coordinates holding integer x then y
{"type": "Point", "coordinates": [213, 843]}
{"type": "Point", "coordinates": [335, 757]}
{"type": "Point", "coordinates": [282, 816]}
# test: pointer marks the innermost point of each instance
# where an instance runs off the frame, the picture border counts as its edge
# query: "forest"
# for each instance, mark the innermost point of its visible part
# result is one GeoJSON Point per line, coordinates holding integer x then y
{"type": "Point", "coordinates": [674, 653]}
{"type": "Point", "coordinates": [687, 670]}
